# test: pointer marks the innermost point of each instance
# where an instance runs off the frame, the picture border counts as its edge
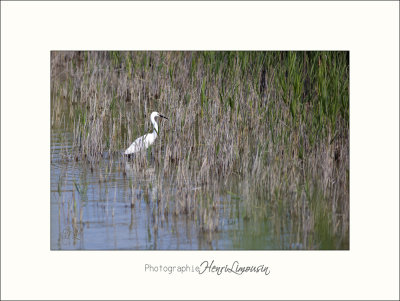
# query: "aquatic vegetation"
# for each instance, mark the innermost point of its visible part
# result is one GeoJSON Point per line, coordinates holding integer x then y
{"type": "Point", "coordinates": [269, 131]}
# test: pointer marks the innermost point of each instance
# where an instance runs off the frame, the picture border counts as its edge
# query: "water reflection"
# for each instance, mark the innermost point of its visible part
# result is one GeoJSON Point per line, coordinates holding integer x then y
{"type": "Point", "coordinates": [116, 204]}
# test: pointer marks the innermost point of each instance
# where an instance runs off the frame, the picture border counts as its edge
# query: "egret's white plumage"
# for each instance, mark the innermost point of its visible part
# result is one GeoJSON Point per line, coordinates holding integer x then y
{"type": "Point", "coordinates": [145, 141]}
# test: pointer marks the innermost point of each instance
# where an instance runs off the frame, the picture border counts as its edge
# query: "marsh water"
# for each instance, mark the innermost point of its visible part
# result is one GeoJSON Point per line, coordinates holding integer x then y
{"type": "Point", "coordinates": [112, 205]}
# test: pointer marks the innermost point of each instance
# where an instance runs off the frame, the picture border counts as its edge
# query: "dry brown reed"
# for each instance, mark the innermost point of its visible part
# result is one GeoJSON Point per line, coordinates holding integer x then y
{"type": "Point", "coordinates": [275, 122]}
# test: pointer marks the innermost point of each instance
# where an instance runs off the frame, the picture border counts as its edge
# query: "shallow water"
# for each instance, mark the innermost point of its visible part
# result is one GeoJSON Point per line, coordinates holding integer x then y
{"type": "Point", "coordinates": [113, 206]}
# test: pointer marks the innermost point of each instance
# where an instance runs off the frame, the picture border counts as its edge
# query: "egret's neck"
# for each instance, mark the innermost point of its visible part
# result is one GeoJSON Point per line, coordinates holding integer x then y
{"type": "Point", "coordinates": [155, 125]}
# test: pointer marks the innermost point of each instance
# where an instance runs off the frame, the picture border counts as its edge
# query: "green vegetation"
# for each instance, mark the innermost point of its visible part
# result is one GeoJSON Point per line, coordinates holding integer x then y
{"type": "Point", "coordinates": [270, 128]}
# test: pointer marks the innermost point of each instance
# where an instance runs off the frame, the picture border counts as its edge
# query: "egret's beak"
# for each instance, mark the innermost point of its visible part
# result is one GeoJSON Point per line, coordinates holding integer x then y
{"type": "Point", "coordinates": [162, 116]}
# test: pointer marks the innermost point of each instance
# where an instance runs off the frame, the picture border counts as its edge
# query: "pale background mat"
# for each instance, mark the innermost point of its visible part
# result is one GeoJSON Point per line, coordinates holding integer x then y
{"type": "Point", "coordinates": [29, 270]}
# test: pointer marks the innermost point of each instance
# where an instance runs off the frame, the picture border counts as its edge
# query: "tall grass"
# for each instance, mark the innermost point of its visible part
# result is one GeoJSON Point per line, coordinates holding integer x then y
{"type": "Point", "coordinates": [276, 122]}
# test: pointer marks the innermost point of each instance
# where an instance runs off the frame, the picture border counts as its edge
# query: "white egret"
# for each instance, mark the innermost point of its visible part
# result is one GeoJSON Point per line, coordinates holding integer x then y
{"type": "Point", "coordinates": [145, 141]}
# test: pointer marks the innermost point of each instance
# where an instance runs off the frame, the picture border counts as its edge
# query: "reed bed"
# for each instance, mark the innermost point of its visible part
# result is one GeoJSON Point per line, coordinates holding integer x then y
{"type": "Point", "coordinates": [268, 129]}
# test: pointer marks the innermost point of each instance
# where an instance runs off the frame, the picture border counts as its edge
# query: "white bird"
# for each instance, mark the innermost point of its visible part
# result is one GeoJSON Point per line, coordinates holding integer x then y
{"type": "Point", "coordinates": [145, 141]}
